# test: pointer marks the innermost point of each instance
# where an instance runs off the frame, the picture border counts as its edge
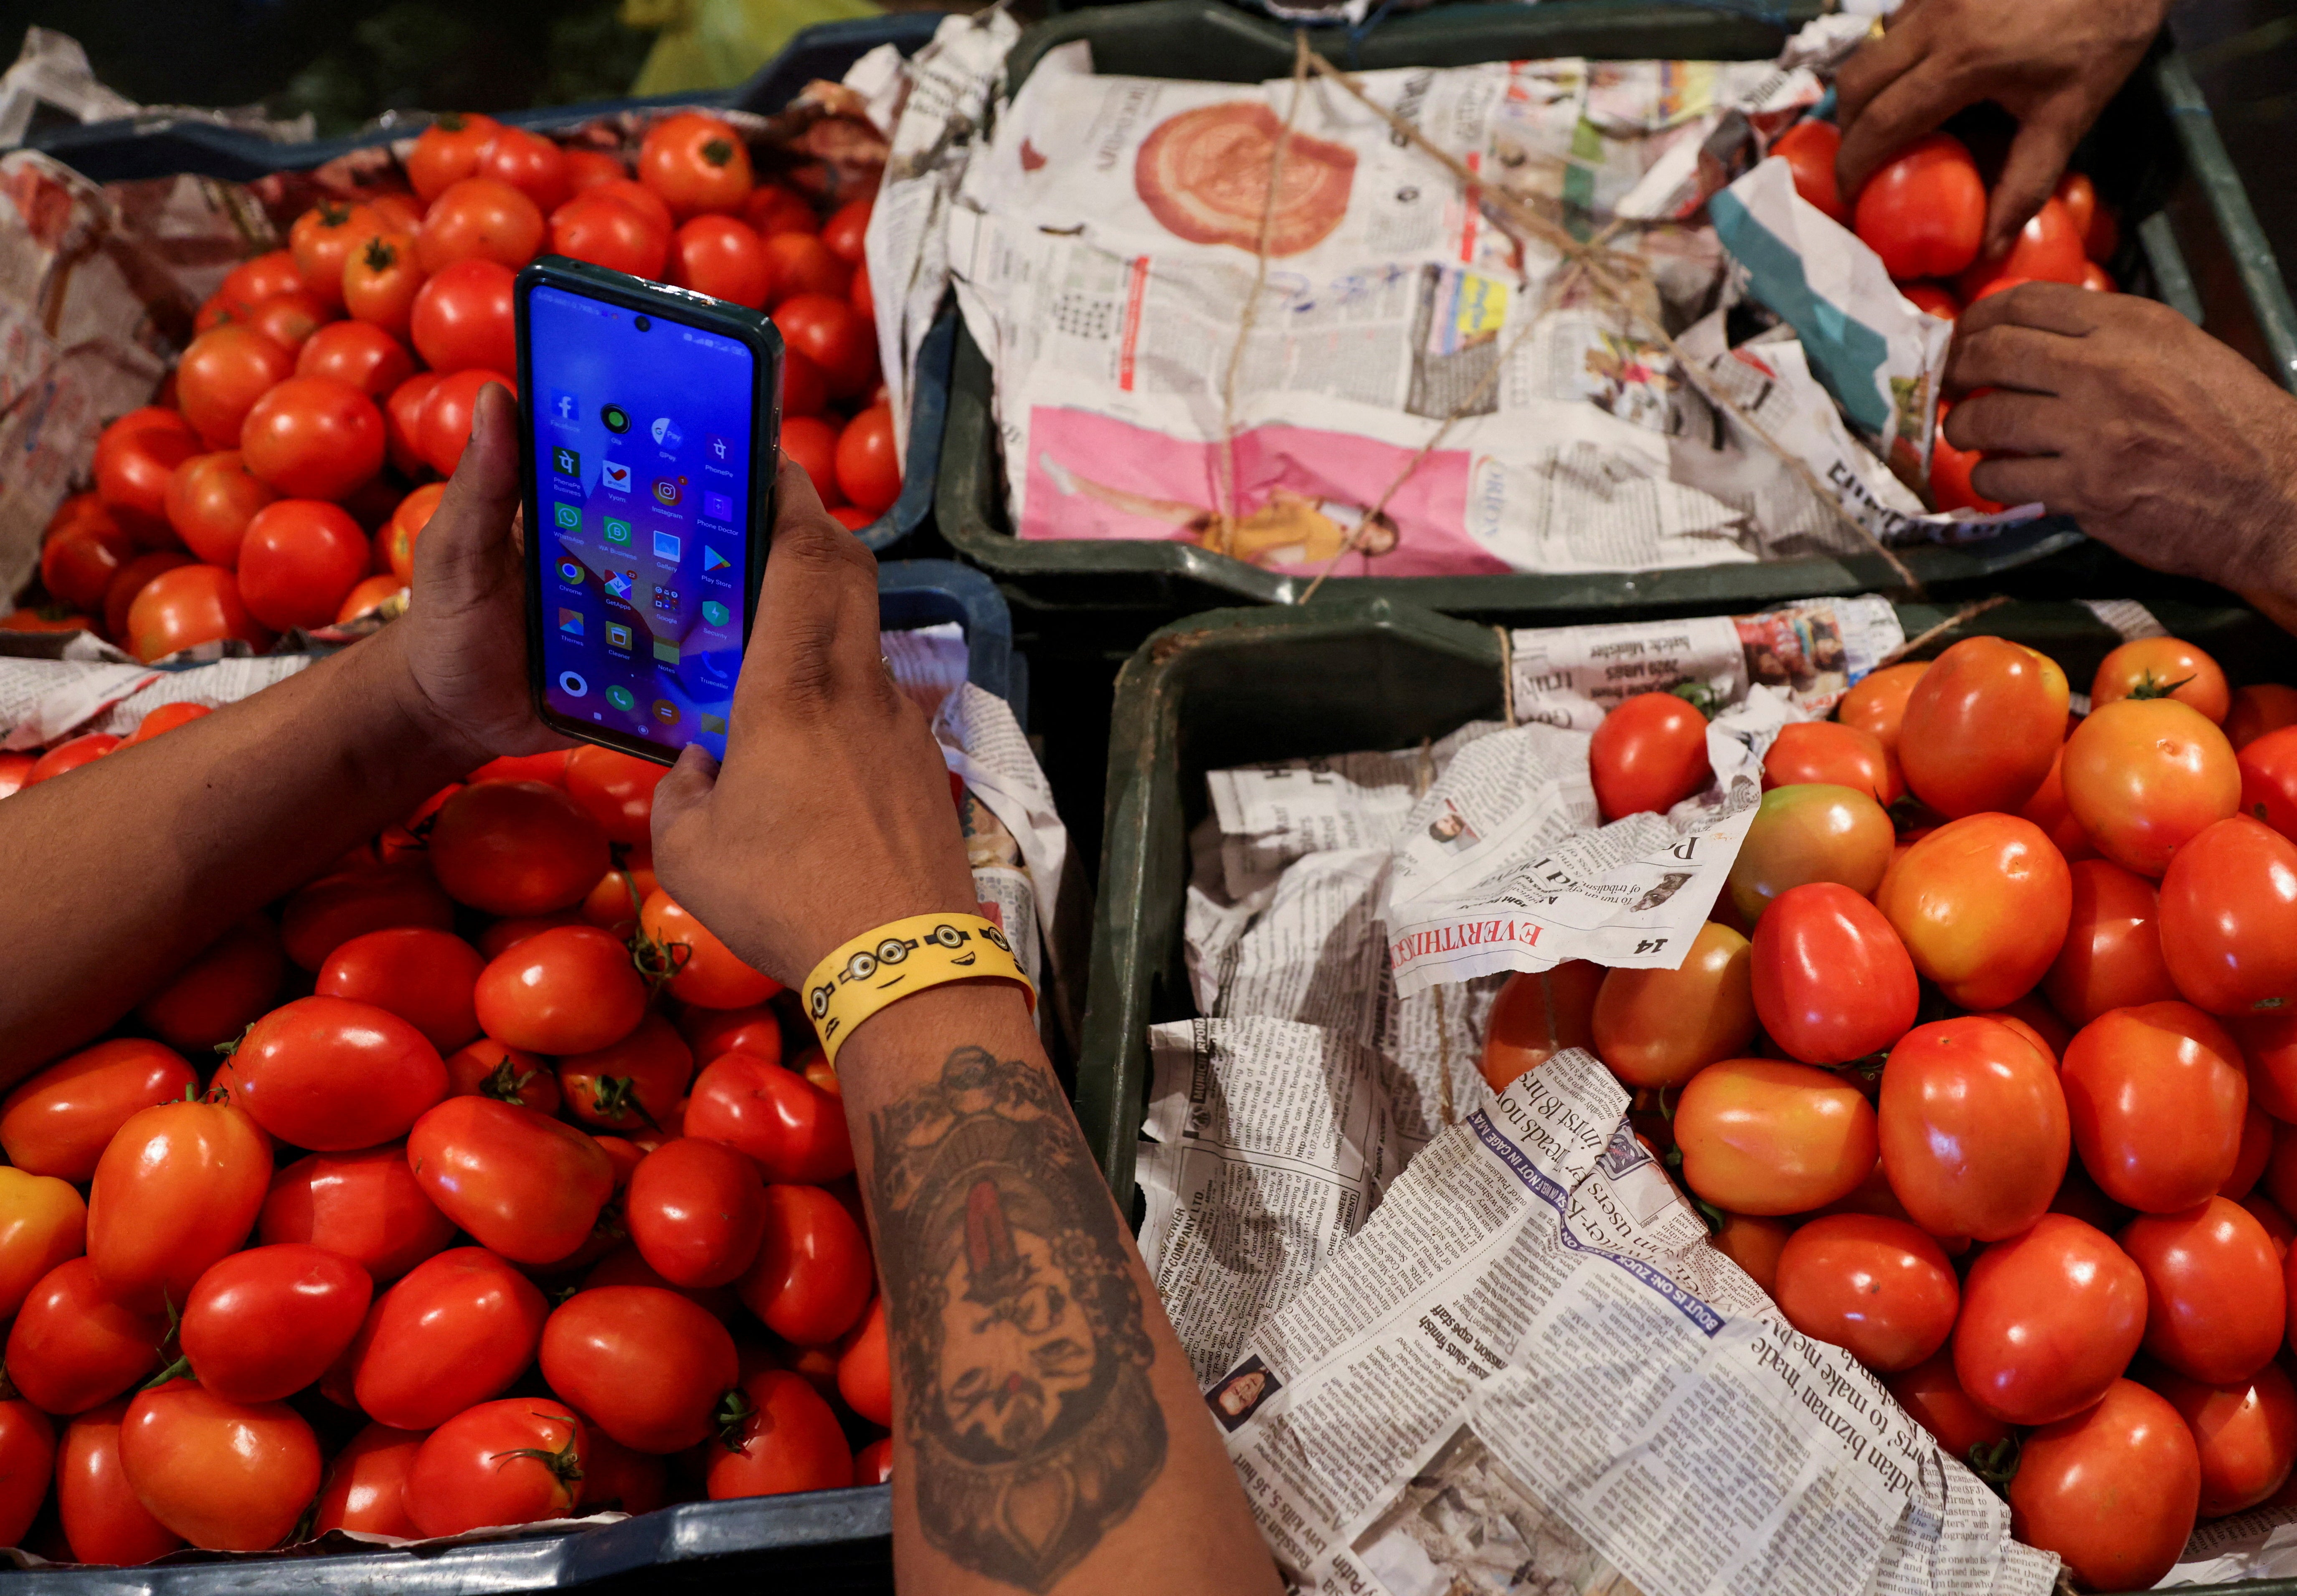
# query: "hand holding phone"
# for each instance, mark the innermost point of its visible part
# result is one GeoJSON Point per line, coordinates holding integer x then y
{"type": "Point", "coordinates": [653, 420]}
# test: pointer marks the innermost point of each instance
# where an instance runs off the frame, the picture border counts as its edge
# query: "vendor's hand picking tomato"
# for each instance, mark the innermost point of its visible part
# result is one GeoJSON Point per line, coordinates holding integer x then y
{"type": "Point", "coordinates": [103, 1521]}
{"type": "Point", "coordinates": [517, 848]}
{"type": "Point", "coordinates": [59, 1122]}
{"type": "Point", "coordinates": [2113, 1490]}
{"type": "Point", "coordinates": [2049, 248]}
{"type": "Point", "coordinates": [2246, 1432]}
{"type": "Point", "coordinates": [263, 1324]}
{"type": "Point", "coordinates": [645, 1365]}
{"type": "Point", "coordinates": [792, 1442]}
{"type": "Point", "coordinates": [696, 1212]}
{"type": "Point", "coordinates": [1761, 1136]}
{"type": "Point", "coordinates": [513, 1462]}
{"type": "Point", "coordinates": [225, 1476]}
{"type": "Point", "coordinates": [1974, 1129]}
{"type": "Point", "coordinates": [709, 975]}
{"type": "Point", "coordinates": [178, 1188]}
{"type": "Point", "coordinates": [1981, 727]}
{"type": "Point", "coordinates": [1537, 1016]}
{"type": "Point", "coordinates": [1933, 1396]}
{"type": "Point", "coordinates": [2144, 775]}
{"type": "Point", "coordinates": [458, 1329]}
{"type": "Point", "coordinates": [1832, 982]}
{"type": "Point", "coordinates": [2112, 956]}
{"type": "Point", "coordinates": [335, 1075]}
{"type": "Point", "coordinates": [1877, 1288]}
{"type": "Point", "coordinates": [2229, 919]}
{"type": "Point", "coordinates": [529, 1187]}
{"type": "Point", "coordinates": [1924, 211]}
{"type": "Point", "coordinates": [633, 1082]}
{"type": "Point", "coordinates": [2255, 711]}
{"type": "Point", "coordinates": [1981, 904]}
{"type": "Point", "coordinates": [2050, 1318]}
{"type": "Point", "coordinates": [367, 1206]}
{"type": "Point", "coordinates": [1813, 831]}
{"type": "Point", "coordinates": [1661, 1027]}
{"type": "Point", "coordinates": [74, 1344]}
{"type": "Point", "coordinates": [1827, 750]}
{"type": "Point", "coordinates": [813, 1277]}
{"type": "Point", "coordinates": [2162, 668]}
{"type": "Point", "coordinates": [570, 989]}
{"type": "Point", "coordinates": [43, 1224]}
{"type": "Point", "coordinates": [2215, 1299]}
{"type": "Point", "coordinates": [1648, 755]}
{"type": "Point", "coordinates": [2156, 1095]}
{"type": "Point", "coordinates": [366, 1485]}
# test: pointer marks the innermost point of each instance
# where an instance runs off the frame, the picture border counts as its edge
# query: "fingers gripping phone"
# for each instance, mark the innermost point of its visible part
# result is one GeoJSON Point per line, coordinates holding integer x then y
{"type": "Point", "coordinates": [652, 417]}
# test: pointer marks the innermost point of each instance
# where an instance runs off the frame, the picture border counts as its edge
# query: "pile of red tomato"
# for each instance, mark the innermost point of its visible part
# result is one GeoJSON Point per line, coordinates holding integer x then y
{"type": "Point", "coordinates": [405, 1208]}
{"type": "Point", "coordinates": [1924, 214]}
{"type": "Point", "coordinates": [1985, 1067]}
{"type": "Point", "coordinates": [286, 473]}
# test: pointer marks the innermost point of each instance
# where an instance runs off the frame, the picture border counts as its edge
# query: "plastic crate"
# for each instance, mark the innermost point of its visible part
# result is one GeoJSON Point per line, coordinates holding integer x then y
{"type": "Point", "coordinates": [160, 145]}
{"type": "Point", "coordinates": [919, 592]}
{"type": "Point", "coordinates": [2195, 243]}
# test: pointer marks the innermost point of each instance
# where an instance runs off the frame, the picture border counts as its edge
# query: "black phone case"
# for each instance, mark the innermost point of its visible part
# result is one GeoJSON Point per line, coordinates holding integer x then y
{"type": "Point", "coordinates": [682, 305]}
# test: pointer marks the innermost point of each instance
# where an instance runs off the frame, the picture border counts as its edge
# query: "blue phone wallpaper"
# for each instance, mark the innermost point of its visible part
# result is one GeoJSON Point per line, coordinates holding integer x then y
{"type": "Point", "coordinates": [642, 452]}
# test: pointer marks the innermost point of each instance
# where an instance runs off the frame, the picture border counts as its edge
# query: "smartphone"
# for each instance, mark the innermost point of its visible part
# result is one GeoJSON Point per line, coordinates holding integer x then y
{"type": "Point", "coordinates": [652, 422]}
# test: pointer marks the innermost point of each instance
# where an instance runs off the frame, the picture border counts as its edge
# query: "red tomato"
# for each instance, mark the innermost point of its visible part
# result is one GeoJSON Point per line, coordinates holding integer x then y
{"type": "Point", "coordinates": [176, 1188]}
{"type": "Point", "coordinates": [2113, 1489]}
{"type": "Point", "coordinates": [1826, 751]}
{"type": "Point", "coordinates": [1658, 1028]}
{"type": "Point", "coordinates": [78, 567]}
{"type": "Point", "coordinates": [1981, 727]}
{"type": "Point", "coordinates": [824, 328]}
{"type": "Point", "coordinates": [187, 606]}
{"type": "Point", "coordinates": [865, 1373]}
{"type": "Point", "coordinates": [300, 557]}
{"type": "Point", "coordinates": [2245, 1431]}
{"type": "Point", "coordinates": [446, 424]}
{"type": "Point", "coordinates": [757, 1031]}
{"type": "Point", "coordinates": [313, 438]}
{"type": "Point", "coordinates": [1932, 300]}
{"type": "Point", "coordinates": [568, 989]}
{"type": "Point", "coordinates": [1951, 469]}
{"type": "Point", "coordinates": [43, 1224]}
{"type": "Point", "coordinates": [358, 353]}
{"type": "Point", "coordinates": [529, 162]}
{"type": "Point", "coordinates": [696, 1211]}
{"type": "Point", "coordinates": [381, 280]}
{"type": "Point", "coordinates": [791, 1442]}
{"type": "Point", "coordinates": [402, 420]}
{"type": "Point", "coordinates": [103, 1521]}
{"type": "Point", "coordinates": [2268, 778]}
{"type": "Point", "coordinates": [2268, 1213]}
{"type": "Point", "coordinates": [448, 151]}
{"type": "Point", "coordinates": [2215, 1298]}
{"type": "Point", "coordinates": [806, 391]}
{"type": "Point", "coordinates": [263, 1324]}
{"type": "Point", "coordinates": [709, 975]}
{"type": "Point", "coordinates": [260, 277]}
{"type": "Point", "coordinates": [2229, 917]}
{"type": "Point", "coordinates": [1974, 1129]}
{"type": "Point", "coordinates": [2156, 1094]}
{"type": "Point", "coordinates": [1761, 1136]}
{"type": "Point", "coordinates": [366, 1485]}
{"type": "Point", "coordinates": [1754, 1244]}
{"type": "Point", "coordinates": [793, 1128]}
{"type": "Point", "coordinates": [2256, 1148]}
{"type": "Point", "coordinates": [2255, 711]}
{"type": "Point", "coordinates": [458, 1329]}
{"type": "Point", "coordinates": [370, 594]}
{"type": "Point", "coordinates": [74, 1344]}
{"type": "Point", "coordinates": [289, 319]}
{"type": "Point", "coordinates": [479, 218]}
{"type": "Point", "coordinates": [408, 520]}
{"type": "Point", "coordinates": [2112, 956]}
{"type": "Point", "coordinates": [813, 1276]}
{"type": "Point", "coordinates": [2050, 1318]}
{"type": "Point", "coordinates": [223, 374]}
{"type": "Point", "coordinates": [862, 297]}
{"type": "Point", "coordinates": [637, 197]}
{"type": "Point", "coordinates": [845, 229]}
{"type": "Point", "coordinates": [2162, 668]}
{"type": "Point", "coordinates": [1924, 213]}
{"type": "Point", "coordinates": [607, 231]}
{"type": "Point", "coordinates": [1832, 980]}
{"type": "Point", "coordinates": [2267, 1041]}
{"type": "Point", "coordinates": [868, 472]}
{"type": "Point", "coordinates": [617, 789]}
{"type": "Point", "coordinates": [1648, 755]}
{"type": "Point", "coordinates": [772, 208]}
{"type": "Point", "coordinates": [812, 443]}
{"type": "Point", "coordinates": [423, 976]}
{"type": "Point", "coordinates": [517, 848]}
{"type": "Point", "coordinates": [225, 1476]}
{"type": "Point", "coordinates": [526, 767]}
{"type": "Point", "coordinates": [720, 257]}
{"type": "Point", "coordinates": [120, 595]}
{"type": "Point", "coordinates": [646, 1365]}
{"type": "Point", "coordinates": [324, 916]}
{"type": "Point", "coordinates": [514, 1461]}
{"type": "Point", "coordinates": [84, 750]}
{"type": "Point", "coordinates": [587, 168]}
{"type": "Point", "coordinates": [2078, 195]}
{"type": "Point", "coordinates": [2144, 775]}
{"type": "Point", "coordinates": [1877, 1288]}
{"type": "Point", "coordinates": [1935, 1398]}
{"type": "Point", "coordinates": [487, 1068]}
{"type": "Point", "coordinates": [527, 1186]}
{"type": "Point", "coordinates": [366, 1206]}
{"type": "Point", "coordinates": [800, 263]}
{"type": "Point", "coordinates": [59, 1122]}
{"type": "Point", "coordinates": [2049, 248]}
{"type": "Point", "coordinates": [635, 1081]}
{"type": "Point", "coordinates": [323, 239]}
{"type": "Point", "coordinates": [335, 1075]}
{"type": "Point", "coordinates": [615, 1478]}
{"type": "Point", "coordinates": [1981, 904]}
{"type": "Point", "coordinates": [463, 319]}
{"type": "Point", "coordinates": [696, 163]}
{"type": "Point", "coordinates": [1809, 148]}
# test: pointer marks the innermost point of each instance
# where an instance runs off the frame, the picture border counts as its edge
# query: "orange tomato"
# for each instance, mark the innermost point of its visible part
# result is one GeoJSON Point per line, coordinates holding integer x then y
{"type": "Point", "coordinates": [1763, 1137]}
{"type": "Point", "coordinates": [1982, 726]}
{"type": "Point", "coordinates": [2144, 775]}
{"type": "Point", "coordinates": [1981, 904]}
{"type": "Point", "coordinates": [381, 279]}
{"type": "Point", "coordinates": [1754, 1242]}
{"type": "Point", "coordinates": [710, 975]}
{"type": "Point", "coordinates": [2162, 668]}
{"type": "Point", "coordinates": [696, 163]}
{"type": "Point", "coordinates": [1826, 751]}
{"type": "Point", "coordinates": [1813, 831]}
{"type": "Point", "coordinates": [1878, 703]}
{"type": "Point", "coordinates": [223, 374]}
{"type": "Point", "coordinates": [1537, 1016]}
{"type": "Point", "coordinates": [1661, 1027]}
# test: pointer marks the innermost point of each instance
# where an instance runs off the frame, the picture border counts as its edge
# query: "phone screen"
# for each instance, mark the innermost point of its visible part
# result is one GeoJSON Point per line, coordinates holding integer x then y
{"type": "Point", "coordinates": [645, 431]}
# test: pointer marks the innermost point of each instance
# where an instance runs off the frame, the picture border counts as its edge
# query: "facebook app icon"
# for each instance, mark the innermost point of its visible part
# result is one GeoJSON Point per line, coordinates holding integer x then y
{"type": "Point", "coordinates": [565, 409]}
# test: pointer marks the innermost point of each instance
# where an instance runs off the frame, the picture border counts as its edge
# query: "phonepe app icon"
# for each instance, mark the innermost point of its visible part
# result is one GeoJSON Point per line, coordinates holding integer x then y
{"type": "Point", "coordinates": [721, 451]}
{"type": "Point", "coordinates": [566, 462]}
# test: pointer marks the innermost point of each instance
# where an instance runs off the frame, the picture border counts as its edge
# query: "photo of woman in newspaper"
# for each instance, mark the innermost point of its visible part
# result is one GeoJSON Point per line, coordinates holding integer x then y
{"type": "Point", "coordinates": [1286, 528]}
{"type": "Point", "coordinates": [1234, 1399]}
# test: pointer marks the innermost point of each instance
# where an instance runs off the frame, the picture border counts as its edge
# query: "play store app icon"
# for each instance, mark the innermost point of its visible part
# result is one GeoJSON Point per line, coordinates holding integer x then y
{"type": "Point", "coordinates": [712, 559]}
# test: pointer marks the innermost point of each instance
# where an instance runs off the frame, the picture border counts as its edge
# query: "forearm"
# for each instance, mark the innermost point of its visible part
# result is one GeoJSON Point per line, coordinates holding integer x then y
{"type": "Point", "coordinates": [158, 849]}
{"type": "Point", "coordinates": [1048, 1433]}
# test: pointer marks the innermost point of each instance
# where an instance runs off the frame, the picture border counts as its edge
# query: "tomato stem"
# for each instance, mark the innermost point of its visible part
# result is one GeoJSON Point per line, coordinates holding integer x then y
{"type": "Point", "coordinates": [734, 1411]}
{"type": "Point", "coordinates": [659, 962]}
{"type": "Point", "coordinates": [8, 1392]}
{"type": "Point", "coordinates": [181, 1369]}
{"type": "Point", "coordinates": [2149, 685]}
{"type": "Point", "coordinates": [1996, 1462]}
{"type": "Point", "coordinates": [1699, 695]}
{"type": "Point", "coordinates": [615, 1097]}
{"type": "Point", "coordinates": [506, 1087]}
{"type": "Point", "coordinates": [564, 1462]}
{"type": "Point", "coordinates": [716, 151]}
{"type": "Point", "coordinates": [304, 1525]}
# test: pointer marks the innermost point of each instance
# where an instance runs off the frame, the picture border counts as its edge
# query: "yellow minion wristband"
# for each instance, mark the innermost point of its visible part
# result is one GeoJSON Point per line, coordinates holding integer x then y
{"type": "Point", "coordinates": [899, 958]}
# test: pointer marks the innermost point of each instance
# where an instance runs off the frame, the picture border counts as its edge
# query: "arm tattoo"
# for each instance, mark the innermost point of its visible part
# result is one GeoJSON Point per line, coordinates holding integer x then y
{"type": "Point", "coordinates": [1024, 1366]}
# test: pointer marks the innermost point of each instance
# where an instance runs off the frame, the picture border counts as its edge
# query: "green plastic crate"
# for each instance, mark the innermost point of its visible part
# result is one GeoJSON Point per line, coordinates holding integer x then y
{"type": "Point", "coordinates": [2195, 243]}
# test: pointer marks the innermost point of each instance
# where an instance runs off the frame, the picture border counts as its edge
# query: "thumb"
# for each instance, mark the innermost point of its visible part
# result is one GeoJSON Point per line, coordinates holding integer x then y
{"type": "Point", "coordinates": [468, 537]}
{"type": "Point", "coordinates": [2037, 160]}
{"type": "Point", "coordinates": [687, 788]}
